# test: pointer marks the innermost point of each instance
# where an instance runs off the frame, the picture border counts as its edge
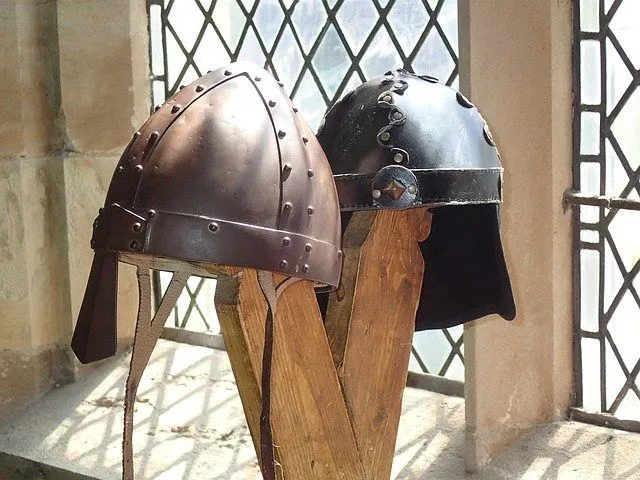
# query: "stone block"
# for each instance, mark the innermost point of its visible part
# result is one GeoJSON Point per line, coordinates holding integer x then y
{"type": "Point", "coordinates": [103, 72]}
{"type": "Point", "coordinates": [29, 72]}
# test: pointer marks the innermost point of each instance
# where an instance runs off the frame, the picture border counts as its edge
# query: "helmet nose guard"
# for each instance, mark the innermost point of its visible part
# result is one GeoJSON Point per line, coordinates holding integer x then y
{"type": "Point", "coordinates": [401, 141]}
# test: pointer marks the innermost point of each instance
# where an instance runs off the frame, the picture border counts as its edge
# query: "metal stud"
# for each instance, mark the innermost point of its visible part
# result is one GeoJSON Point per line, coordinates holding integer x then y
{"type": "Point", "coordinates": [487, 136]}
{"type": "Point", "coordinates": [397, 115]}
{"type": "Point", "coordinates": [134, 244]}
{"type": "Point", "coordinates": [286, 241]}
{"type": "Point", "coordinates": [227, 72]}
{"type": "Point", "coordinates": [308, 247]}
{"type": "Point", "coordinates": [272, 103]}
{"type": "Point", "coordinates": [412, 189]}
{"type": "Point", "coordinates": [310, 173]}
{"type": "Point", "coordinates": [199, 88]}
{"type": "Point", "coordinates": [376, 193]}
{"type": "Point", "coordinates": [138, 168]}
{"type": "Point", "coordinates": [281, 134]}
{"type": "Point", "coordinates": [214, 227]}
{"type": "Point", "coordinates": [288, 205]}
{"type": "Point", "coordinates": [283, 264]}
{"type": "Point", "coordinates": [305, 268]}
{"type": "Point", "coordinates": [385, 136]}
{"type": "Point", "coordinates": [175, 108]}
{"type": "Point", "coordinates": [152, 213]}
{"type": "Point", "coordinates": [398, 158]}
{"type": "Point", "coordinates": [120, 168]}
{"type": "Point", "coordinates": [463, 101]}
{"type": "Point", "coordinates": [340, 253]}
{"type": "Point", "coordinates": [387, 98]}
{"type": "Point", "coordinates": [137, 227]}
{"type": "Point", "coordinates": [310, 210]}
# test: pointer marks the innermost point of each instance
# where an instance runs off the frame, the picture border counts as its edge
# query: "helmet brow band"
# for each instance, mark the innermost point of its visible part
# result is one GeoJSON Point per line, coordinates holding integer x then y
{"type": "Point", "coordinates": [147, 332]}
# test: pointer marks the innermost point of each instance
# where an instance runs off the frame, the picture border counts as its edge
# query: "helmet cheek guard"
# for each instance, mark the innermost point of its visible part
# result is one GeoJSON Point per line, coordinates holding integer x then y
{"type": "Point", "coordinates": [401, 141]}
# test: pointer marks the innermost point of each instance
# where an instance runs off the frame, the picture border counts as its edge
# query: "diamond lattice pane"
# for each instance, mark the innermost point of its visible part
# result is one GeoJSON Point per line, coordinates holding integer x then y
{"type": "Point", "coordinates": [331, 62]}
{"type": "Point", "coordinates": [624, 26]}
{"type": "Point", "coordinates": [357, 19]}
{"type": "Point", "coordinates": [229, 20]}
{"type": "Point", "coordinates": [407, 19]}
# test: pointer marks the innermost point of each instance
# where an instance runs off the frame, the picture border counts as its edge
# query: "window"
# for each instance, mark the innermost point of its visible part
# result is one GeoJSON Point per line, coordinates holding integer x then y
{"type": "Point", "coordinates": [607, 217]}
{"type": "Point", "coordinates": [320, 50]}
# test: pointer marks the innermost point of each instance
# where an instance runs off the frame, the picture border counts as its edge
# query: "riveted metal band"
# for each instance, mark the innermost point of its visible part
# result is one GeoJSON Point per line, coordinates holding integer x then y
{"type": "Point", "coordinates": [229, 243]}
{"type": "Point", "coordinates": [435, 186]}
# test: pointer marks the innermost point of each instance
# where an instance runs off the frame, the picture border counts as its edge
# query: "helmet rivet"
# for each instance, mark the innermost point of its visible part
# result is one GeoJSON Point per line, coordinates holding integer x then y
{"type": "Point", "coordinates": [199, 88]}
{"type": "Point", "coordinates": [134, 244]}
{"type": "Point", "coordinates": [310, 210]}
{"type": "Point", "coordinates": [398, 158]}
{"type": "Point", "coordinates": [412, 189]}
{"type": "Point", "coordinates": [120, 168]}
{"type": "Point", "coordinates": [175, 108]}
{"type": "Point", "coordinates": [305, 268]}
{"type": "Point", "coordinates": [138, 168]}
{"type": "Point", "coordinates": [137, 227]}
{"type": "Point", "coordinates": [151, 213]}
{"type": "Point", "coordinates": [283, 264]}
{"type": "Point", "coordinates": [385, 136]}
{"type": "Point", "coordinates": [288, 205]}
{"type": "Point", "coordinates": [376, 193]}
{"type": "Point", "coordinates": [387, 98]}
{"type": "Point", "coordinates": [397, 115]}
{"type": "Point", "coordinates": [281, 134]}
{"type": "Point", "coordinates": [214, 227]}
{"type": "Point", "coordinates": [308, 247]}
{"type": "Point", "coordinates": [463, 101]}
{"type": "Point", "coordinates": [286, 241]}
{"type": "Point", "coordinates": [227, 72]}
{"type": "Point", "coordinates": [310, 173]}
{"type": "Point", "coordinates": [272, 103]}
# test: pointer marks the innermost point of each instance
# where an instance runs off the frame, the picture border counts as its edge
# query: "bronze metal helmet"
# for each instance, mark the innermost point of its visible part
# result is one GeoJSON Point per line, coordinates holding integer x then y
{"type": "Point", "coordinates": [401, 141]}
{"type": "Point", "coordinates": [226, 172]}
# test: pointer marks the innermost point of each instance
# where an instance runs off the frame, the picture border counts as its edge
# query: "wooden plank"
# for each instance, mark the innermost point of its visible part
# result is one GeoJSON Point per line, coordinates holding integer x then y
{"type": "Point", "coordinates": [311, 427]}
{"type": "Point", "coordinates": [370, 325]}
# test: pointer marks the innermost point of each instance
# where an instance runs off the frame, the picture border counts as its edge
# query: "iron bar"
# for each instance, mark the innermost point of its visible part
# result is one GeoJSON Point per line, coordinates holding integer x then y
{"type": "Point", "coordinates": [612, 203]}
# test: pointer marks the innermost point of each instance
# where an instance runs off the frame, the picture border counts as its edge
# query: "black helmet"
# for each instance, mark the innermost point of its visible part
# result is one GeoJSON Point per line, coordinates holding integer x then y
{"type": "Point", "coordinates": [401, 141]}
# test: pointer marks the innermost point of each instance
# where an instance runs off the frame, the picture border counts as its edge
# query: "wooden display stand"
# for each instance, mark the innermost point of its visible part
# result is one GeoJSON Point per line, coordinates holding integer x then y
{"type": "Point", "coordinates": [336, 387]}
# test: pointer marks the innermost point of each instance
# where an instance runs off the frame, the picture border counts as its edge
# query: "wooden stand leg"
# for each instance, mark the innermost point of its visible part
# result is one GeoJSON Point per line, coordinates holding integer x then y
{"type": "Point", "coordinates": [311, 428]}
{"type": "Point", "coordinates": [370, 323]}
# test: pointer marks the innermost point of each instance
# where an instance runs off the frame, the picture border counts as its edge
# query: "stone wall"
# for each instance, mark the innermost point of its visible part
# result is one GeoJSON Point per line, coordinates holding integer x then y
{"type": "Point", "coordinates": [74, 89]}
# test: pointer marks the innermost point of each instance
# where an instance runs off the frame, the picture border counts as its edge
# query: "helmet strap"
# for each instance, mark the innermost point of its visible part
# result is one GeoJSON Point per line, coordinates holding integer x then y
{"type": "Point", "coordinates": [147, 332]}
{"type": "Point", "coordinates": [271, 294]}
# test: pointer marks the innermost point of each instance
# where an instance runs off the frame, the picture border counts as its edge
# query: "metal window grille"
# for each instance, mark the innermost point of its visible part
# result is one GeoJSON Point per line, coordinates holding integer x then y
{"type": "Point", "coordinates": [320, 50]}
{"type": "Point", "coordinates": [605, 195]}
